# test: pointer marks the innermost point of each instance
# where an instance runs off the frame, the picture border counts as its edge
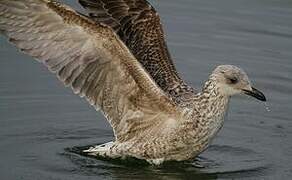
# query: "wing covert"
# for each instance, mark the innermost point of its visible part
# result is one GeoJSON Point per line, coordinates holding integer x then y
{"type": "Point", "coordinates": [138, 24]}
{"type": "Point", "coordinates": [89, 58]}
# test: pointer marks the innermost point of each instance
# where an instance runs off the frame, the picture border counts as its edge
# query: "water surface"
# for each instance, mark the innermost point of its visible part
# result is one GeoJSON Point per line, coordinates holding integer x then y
{"type": "Point", "coordinates": [40, 119]}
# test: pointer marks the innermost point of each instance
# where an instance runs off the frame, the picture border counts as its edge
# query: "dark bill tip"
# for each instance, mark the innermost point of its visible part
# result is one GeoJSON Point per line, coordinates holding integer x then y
{"type": "Point", "coordinates": [256, 94]}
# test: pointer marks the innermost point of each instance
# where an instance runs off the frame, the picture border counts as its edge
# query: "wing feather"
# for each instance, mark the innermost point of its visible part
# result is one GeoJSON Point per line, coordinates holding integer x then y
{"type": "Point", "coordinates": [138, 25]}
{"type": "Point", "coordinates": [90, 58]}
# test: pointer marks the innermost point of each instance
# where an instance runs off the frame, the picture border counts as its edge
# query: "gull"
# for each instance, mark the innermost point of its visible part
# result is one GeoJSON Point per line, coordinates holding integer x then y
{"type": "Point", "coordinates": [116, 57]}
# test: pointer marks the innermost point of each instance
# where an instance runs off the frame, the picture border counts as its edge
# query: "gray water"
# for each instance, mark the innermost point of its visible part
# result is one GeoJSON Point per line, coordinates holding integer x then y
{"type": "Point", "coordinates": [40, 119]}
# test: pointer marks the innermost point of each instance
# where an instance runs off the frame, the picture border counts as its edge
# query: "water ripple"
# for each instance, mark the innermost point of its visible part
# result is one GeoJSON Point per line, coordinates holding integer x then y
{"type": "Point", "coordinates": [246, 163]}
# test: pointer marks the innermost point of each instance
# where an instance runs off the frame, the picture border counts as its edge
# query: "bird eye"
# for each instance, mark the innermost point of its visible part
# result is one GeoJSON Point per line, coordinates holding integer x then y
{"type": "Point", "coordinates": [232, 80]}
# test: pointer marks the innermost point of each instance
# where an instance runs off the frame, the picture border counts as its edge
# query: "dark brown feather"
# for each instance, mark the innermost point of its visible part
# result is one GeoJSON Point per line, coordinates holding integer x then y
{"type": "Point", "coordinates": [138, 25]}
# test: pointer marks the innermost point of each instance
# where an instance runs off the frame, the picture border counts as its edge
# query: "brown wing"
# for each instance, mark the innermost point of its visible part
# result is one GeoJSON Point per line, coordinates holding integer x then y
{"type": "Point", "coordinates": [91, 59]}
{"type": "Point", "coordinates": [138, 25]}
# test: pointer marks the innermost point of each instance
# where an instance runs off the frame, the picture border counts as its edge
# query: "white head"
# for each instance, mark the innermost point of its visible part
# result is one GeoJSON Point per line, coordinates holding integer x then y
{"type": "Point", "coordinates": [232, 80]}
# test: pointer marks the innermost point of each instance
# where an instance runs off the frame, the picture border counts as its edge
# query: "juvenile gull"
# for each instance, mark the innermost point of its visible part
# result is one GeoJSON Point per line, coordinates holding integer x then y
{"type": "Point", "coordinates": [116, 58]}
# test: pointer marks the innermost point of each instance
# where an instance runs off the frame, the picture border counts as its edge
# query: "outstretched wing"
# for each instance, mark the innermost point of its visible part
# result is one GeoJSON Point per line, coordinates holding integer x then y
{"type": "Point", "coordinates": [138, 25]}
{"type": "Point", "coordinates": [89, 58]}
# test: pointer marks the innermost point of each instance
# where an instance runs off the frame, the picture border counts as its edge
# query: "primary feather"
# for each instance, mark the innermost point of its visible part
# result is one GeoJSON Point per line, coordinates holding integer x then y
{"type": "Point", "coordinates": [90, 58]}
{"type": "Point", "coordinates": [138, 25]}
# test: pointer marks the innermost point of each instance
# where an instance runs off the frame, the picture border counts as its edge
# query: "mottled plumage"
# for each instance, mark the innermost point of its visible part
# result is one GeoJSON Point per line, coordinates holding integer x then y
{"type": "Point", "coordinates": [103, 63]}
{"type": "Point", "coordinates": [138, 25]}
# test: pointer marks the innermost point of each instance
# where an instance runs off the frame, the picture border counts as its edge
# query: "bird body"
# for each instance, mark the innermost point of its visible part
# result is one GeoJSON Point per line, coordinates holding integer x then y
{"type": "Point", "coordinates": [117, 59]}
{"type": "Point", "coordinates": [178, 139]}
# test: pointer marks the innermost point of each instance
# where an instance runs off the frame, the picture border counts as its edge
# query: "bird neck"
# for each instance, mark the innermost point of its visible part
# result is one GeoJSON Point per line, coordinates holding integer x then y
{"type": "Point", "coordinates": [211, 107]}
{"type": "Point", "coordinates": [212, 100]}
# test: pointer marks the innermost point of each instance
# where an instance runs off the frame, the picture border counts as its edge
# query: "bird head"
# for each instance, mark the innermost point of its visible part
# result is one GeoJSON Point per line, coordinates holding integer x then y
{"type": "Point", "coordinates": [232, 80]}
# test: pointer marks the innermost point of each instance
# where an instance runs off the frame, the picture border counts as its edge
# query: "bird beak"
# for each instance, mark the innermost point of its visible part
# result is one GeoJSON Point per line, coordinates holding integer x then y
{"type": "Point", "coordinates": [255, 93]}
